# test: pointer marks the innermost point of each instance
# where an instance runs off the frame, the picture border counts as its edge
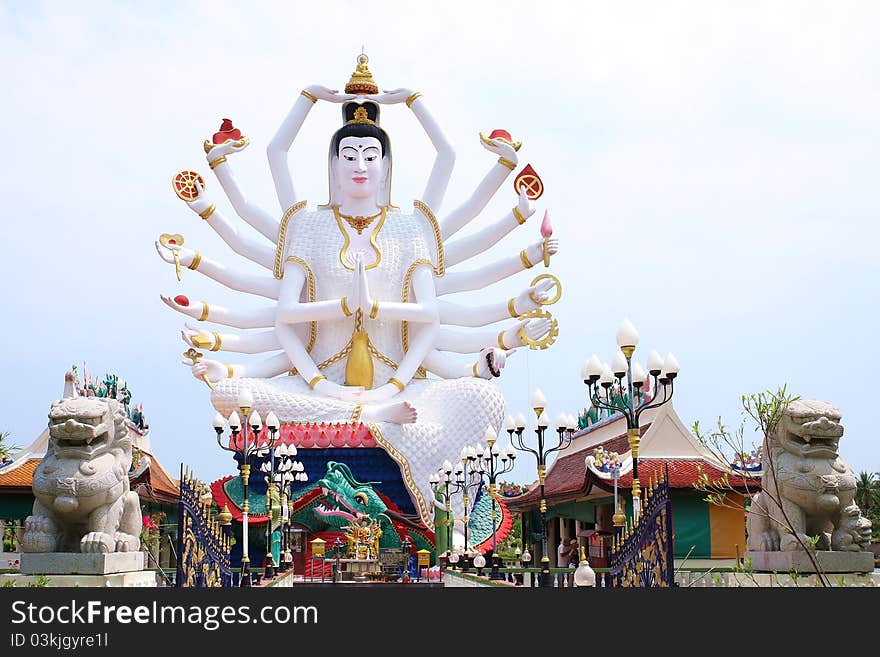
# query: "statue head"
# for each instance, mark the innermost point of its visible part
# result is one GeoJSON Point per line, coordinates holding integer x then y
{"type": "Point", "coordinates": [360, 157]}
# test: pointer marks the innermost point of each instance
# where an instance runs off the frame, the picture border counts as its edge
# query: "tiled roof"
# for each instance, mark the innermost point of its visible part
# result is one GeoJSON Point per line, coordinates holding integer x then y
{"type": "Point", "coordinates": [683, 473]}
{"type": "Point", "coordinates": [20, 477]}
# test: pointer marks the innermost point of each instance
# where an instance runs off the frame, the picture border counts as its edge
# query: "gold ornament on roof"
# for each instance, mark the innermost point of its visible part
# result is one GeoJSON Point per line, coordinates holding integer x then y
{"type": "Point", "coordinates": [361, 81]}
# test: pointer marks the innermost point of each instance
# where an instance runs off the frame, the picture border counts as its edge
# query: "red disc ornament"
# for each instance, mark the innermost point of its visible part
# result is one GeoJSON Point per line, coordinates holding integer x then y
{"type": "Point", "coordinates": [529, 179]}
{"type": "Point", "coordinates": [181, 300]}
{"type": "Point", "coordinates": [184, 184]}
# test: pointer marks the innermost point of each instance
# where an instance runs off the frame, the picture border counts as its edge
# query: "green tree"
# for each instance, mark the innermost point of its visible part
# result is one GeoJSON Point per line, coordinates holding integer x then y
{"type": "Point", "coordinates": [6, 446]}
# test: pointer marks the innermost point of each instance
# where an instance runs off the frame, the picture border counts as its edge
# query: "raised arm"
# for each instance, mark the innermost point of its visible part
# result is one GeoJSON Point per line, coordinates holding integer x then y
{"type": "Point", "coordinates": [451, 313]}
{"type": "Point", "coordinates": [470, 342]}
{"type": "Point", "coordinates": [507, 161]}
{"type": "Point", "coordinates": [263, 286]}
{"type": "Point", "coordinates": [493, 272]}
{"type": "Point", "coordinates": [258, 252]}
{"type": "Point", "coordinates": [293, 310]}
{"type": "Point", "coordinates": [204, 312]}
{"type": "Point", "coordinates": [280, 145]}
{"type": "Point", "coordinates": [441, 172]}
{"type": "Point", "coordinates": [400, 311]}
{"type": "Point", "coordinates": [217, 155]}
{"type": "Point", "coordinates": [467, 247]}
{"type": "Point", "coordinates": [215, 371]}
{"type": "Point", "coordinates": [447, 367]}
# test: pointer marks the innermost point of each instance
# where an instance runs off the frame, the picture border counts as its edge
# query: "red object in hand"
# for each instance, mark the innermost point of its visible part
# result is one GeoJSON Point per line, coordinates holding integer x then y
{"type": "Point", "coordinates": [501, 134]}
{"type": "Point", "coordinates": [227, 132]}
{"type": "Point", "coordinates": [181, 300]}
{"type": "Point", "coordinates": [529, 179]}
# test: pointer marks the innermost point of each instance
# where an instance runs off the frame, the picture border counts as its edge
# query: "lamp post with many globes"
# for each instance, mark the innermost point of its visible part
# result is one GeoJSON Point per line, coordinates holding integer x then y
{"type": "Point", "coordinates": [496, 462]}
{"type": "Point", "coordinates": [629, 399]}
{"type": "Point", "coordinates": [469, 477]}
{"type": "Point", "coordinates": [245, 450]}
{"type": "Point", "coordinates": [268, 467]}
{"type": "Point", "coordinates": [440, 485]}
{"type": "Point", "coordinates": [565, 426]}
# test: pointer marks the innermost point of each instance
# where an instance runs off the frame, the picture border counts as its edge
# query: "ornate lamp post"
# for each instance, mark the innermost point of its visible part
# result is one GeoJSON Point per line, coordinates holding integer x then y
{"type": "Point", "coordinates": [405, 546]}
{"type": "Point", "coordinates": [604, 393]}
{"type": "Point", "coordinates": [440, 483]}
{"type": "Point", "coordinates": [565, 429]}
{"type": "Point", "coordinates": [245, 450]}
{"type": "Point", "coordinates": [491, 457]}
{"type": "Point", "coordinates": [468, 477]}
{"type": "Point", "coordinates": [273, 481]}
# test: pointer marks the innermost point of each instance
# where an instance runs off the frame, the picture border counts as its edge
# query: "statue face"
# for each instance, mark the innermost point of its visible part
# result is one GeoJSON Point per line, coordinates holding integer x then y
{"type": "Point", "coordinates": [359, 167]}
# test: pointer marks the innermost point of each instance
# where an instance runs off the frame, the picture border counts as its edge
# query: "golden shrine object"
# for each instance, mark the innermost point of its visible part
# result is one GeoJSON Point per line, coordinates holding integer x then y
{"type": "Point", "coordinates": [361, 81]}
{"type": "Point", "coordinates": [195, 356]}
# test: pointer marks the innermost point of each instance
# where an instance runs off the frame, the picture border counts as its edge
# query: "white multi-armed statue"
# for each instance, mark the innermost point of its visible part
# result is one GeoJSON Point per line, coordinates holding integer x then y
{"type": "Point", "coordinates": [359, 315]}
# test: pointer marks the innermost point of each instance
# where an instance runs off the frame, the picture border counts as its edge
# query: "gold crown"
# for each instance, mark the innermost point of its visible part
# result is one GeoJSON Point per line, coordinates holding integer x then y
{"type": "Point", "coordinates": [360, 116]}
{"type": "Point", "coordinates": [361, 81]}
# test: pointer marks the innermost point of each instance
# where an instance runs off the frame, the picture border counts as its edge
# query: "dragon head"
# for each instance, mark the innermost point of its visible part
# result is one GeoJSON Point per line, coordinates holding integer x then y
{"type": "Point", "coordinates": [85, 427]}
{"type": "Point", "coordinates": [346, 499]}
{"type": "Point", "coordinates": [811, 429]}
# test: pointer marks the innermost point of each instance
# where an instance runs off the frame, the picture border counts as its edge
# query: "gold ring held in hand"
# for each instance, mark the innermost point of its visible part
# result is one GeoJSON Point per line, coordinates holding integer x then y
{"type": "Point", "coordinates": [548, 302]}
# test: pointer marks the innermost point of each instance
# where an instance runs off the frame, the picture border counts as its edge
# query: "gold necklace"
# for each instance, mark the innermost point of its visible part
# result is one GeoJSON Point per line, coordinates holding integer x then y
{"type": "Point", "coordinates": [360, 222]}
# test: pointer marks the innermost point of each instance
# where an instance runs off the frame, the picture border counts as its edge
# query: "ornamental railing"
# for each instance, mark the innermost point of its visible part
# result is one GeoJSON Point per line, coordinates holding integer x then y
{"type": "Point", "coordinates": [202, 542]}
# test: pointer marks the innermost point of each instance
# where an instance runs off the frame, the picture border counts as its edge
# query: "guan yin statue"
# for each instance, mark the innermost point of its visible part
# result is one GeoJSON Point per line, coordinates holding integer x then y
{"type": "Point", "coordinates": [359, 327]}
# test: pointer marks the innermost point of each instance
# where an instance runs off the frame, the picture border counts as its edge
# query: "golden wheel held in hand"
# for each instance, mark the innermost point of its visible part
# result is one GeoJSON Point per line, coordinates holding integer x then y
{"type": "Point", "coordinates": [184, 184]}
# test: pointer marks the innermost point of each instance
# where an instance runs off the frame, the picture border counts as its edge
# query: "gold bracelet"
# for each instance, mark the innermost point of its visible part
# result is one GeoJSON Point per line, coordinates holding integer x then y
{"type": "Point", "coordinates": [397, 382]}
{"type": "Point", "coordinates": [520, 219]}
{"type": "Point", "coordinates": [229, 371]}
{"type": "Point", "coordinates": [412, 99]}
{"type": "Point", "coordinates": [511, 308]}
{"type": "Point", "coordinates": [197, 258]}
{"type": "Point", "coordinates": [501, 341]}
{"type": "Point", "coordinates": [528, 264]}
{"type": "Point", "coordinates": [218, 343]}
{"type": "Point", "coordinates": [207, 212]}
{"type": "Point", "coordinates": [375, 309]}
{"type": "Point", "coordinates": [474, 369]}
{"type": "Point", "coordinates": [356, 414]}
{"type": "Point", "coordinates": [503, 161]}
{"type": "Point", "coordinates": [311, 97]}
{"type": "Point", "coordinates": [205, 311]}
{"type": "Point", "coordinates": [216, 163]}
{"type": "Point", "coordinates": [345, 309]}
{"type": "Point", "coordinates": [315, 381]}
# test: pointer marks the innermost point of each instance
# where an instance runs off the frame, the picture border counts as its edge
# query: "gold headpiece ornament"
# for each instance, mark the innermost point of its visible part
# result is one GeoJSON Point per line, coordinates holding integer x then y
{"type": "Point", "coordinates": [361, 82]}
{"type": "Point", "coordinates": [360, 116]}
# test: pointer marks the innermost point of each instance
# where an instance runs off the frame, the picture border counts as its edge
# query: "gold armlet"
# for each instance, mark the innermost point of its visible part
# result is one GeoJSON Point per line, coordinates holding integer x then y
{"type": "Point", "coordinates": [528, 264]}
{"type": "Point", "coordinates": [501, 341]}
{"type": "Point", "coordinates": [205, 311]}
{"type": "Point", "coordinates": [412, 99]}
{"type": "Point", "coordinates": [197, 258]}
{"type": "Point", "coordinates": [315, 381]}
{"type": "Point", "coordinates": [520, 219]}
{"type": "Point", "coordinates": [397, 383]}
{"type": "Point", "coordinates": [216, 163]}
{"type": "Point", "coordinates": [207, 212]}
{"type": "Point", "coordinates": [229, 371]}
{"type": "Point", "coordinates": [345, 309]}
{"type": "Point", "coordinates": [474, 370]}
{"type": "Point", "coordinates": [503, 161]}
{"type": "Point", "coordinates": [374, 310]}
{"type": "Point", "coordinates": [511, 308]}
{"type": "Point", "coordinates": [356, 414]}
{"type": "Point", "coordinates": [312, 98]}
{"type": "Point", "coordinates": [218, 342]}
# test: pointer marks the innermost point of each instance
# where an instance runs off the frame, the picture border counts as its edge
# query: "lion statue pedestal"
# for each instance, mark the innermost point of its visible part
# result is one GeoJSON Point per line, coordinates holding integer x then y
{"type": "Point", "coordinates": [86, 521]}
{"type": "Point", "coordinates": [807, 494]}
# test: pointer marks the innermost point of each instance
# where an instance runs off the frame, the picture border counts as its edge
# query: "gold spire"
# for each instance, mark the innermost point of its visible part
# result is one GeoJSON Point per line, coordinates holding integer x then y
{"type": "Point", "coordinates": [361, 81]}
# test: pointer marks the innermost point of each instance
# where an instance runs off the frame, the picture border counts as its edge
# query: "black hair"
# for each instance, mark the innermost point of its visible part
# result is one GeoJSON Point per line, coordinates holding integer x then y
{"type": "Point", "coordinates": [361, 129]}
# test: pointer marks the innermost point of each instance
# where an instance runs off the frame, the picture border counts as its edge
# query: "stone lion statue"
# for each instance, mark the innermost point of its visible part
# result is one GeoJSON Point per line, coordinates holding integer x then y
{"type": "Point", "coordinates": [83, 501]}
{"type": "Point", "coordinates": [806, 488]}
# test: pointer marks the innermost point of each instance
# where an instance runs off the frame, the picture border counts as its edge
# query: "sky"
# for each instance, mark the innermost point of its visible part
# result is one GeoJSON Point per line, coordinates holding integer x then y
{"type": "Point", "coordinates": [710, 169]}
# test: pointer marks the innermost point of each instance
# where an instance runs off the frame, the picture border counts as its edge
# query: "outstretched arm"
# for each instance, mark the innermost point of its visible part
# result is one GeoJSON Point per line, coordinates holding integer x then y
{"type": "Point", "coordinates": [458, 218]}
{"type": "Point", "coordinates": [263, 286]}
{"type": "Point", "coordinates": [435, 189]}
{"type": "Point", "coordinates": [252, 343]}
{"type": "Point", "coordinates": [278, 148]}
{"type": "Point", "coordinates": [203, 312]}
{"type": "Point", "coordinates": [397, 311]}
{"type": "Point", "coordinates": [215, 371]}
{"type": "Point", "coordinates": [467, 247]}
{"type": "Point", "coordinates": [451, 313]}
{"type": "Point", "coordinates": [258, 252]}
{"type": "Point", "coordinates": [447, 367]}
{"type": "Point", "coordinates": [471, 342]}
{"type": "Point", "coordinates": [495, 271]}
{"type": "Point", "coordinates": [254, 215]}
{"type": "Point", "coordinates": [291, 308]}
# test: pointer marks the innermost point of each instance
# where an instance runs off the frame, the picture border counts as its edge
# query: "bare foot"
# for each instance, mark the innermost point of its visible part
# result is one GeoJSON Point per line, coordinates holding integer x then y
{"type": "Point", "coordinates": [401, 412]}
